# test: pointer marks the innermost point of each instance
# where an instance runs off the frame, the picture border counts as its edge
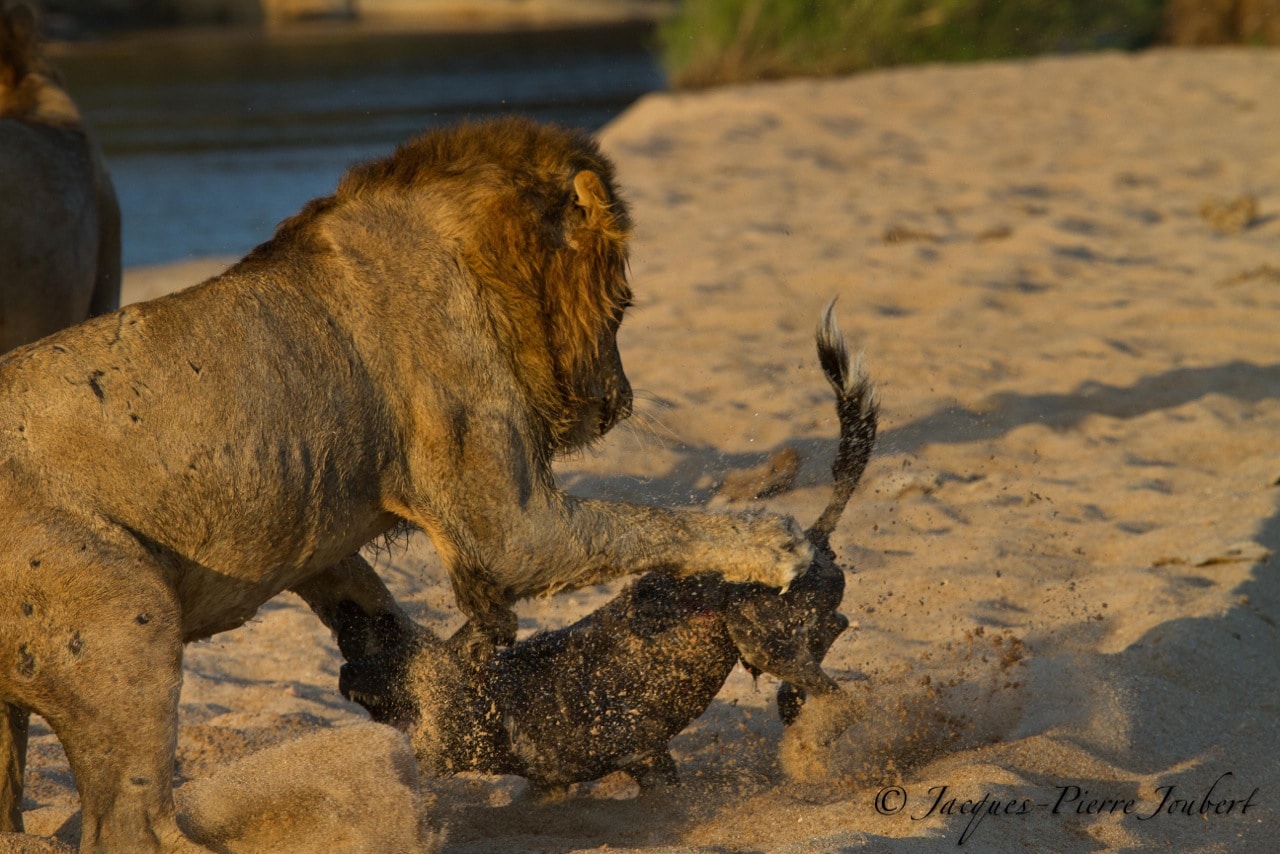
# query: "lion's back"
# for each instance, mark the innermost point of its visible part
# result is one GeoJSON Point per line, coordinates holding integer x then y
{"type": "Point", "coordinates": [191, 418]}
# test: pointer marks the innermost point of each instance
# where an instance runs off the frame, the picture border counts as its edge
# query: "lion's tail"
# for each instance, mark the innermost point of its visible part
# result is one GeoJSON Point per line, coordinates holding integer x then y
{"type": "Point", "coordinates": [858, 410]}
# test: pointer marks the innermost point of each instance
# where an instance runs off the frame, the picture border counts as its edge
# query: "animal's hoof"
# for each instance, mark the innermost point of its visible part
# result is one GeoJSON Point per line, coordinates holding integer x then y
{"type": "Point", "coordinates": [790, 701]}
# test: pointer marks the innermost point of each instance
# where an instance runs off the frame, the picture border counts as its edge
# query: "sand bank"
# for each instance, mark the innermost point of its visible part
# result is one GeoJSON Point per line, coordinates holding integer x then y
{"type": "Point", "coordinates": [1059, 565]}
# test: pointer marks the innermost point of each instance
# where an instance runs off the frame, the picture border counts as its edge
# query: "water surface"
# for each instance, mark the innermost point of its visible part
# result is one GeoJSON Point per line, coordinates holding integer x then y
{"type": "Point", "coordinates": [212, 139]}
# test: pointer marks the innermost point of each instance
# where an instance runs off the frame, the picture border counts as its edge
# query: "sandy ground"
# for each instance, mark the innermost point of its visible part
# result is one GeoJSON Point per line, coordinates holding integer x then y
{"type": "Point", "coordinates": [1080, 374]}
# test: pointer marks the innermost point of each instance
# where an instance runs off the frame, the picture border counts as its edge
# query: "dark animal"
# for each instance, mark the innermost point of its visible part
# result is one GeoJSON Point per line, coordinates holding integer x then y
{"type": "Point", "coordinates": [610, 691]}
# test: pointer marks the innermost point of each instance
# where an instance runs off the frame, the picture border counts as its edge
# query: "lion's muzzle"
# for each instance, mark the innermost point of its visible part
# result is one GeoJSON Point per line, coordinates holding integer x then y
{"type": "Point", "coordinates": [617, 405]}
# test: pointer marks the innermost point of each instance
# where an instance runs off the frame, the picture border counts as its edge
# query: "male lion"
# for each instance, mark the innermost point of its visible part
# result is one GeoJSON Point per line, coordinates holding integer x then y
{"type": "Point", "coordinates": [59, 222]}
{"type": "Point", "coordinates": [412, 349]}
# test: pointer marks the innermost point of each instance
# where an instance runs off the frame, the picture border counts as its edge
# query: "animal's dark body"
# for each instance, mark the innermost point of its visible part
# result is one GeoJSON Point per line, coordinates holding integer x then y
{"type": "Point", "coordinates": [610, 691]}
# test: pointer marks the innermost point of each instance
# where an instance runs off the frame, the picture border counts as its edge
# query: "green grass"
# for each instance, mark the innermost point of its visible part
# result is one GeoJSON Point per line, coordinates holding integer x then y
{"type": "Point", "coordinates": [722, 41]}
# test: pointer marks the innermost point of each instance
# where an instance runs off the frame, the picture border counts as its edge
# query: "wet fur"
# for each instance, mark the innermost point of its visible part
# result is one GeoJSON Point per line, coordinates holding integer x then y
{"type": "Point", "coordinates": [610, 692]}
{"type": "Point", "coordinates": [414, 349]}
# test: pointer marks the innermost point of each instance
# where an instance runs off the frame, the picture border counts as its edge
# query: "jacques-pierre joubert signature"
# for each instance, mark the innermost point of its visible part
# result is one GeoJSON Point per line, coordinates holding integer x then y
{"type": "Point", "coordinates": [1071, 799]}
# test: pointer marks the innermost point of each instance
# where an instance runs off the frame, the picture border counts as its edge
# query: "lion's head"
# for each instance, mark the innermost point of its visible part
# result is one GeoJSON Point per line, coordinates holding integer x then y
{"type": "Point", "coordinates": [537, 218]}
{"type": "Point", "coordinates": [25, 75]}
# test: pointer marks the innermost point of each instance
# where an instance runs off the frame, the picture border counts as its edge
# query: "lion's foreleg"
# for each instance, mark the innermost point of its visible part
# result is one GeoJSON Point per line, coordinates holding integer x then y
{"type": "Point", "coordinates": [597, 541]}
{"type": "Point", "coordinates": [505, 532]}
{"type": "Point", "coordinates": [13, 752]}
{"type": "Point", "coordinates": [566, 543]}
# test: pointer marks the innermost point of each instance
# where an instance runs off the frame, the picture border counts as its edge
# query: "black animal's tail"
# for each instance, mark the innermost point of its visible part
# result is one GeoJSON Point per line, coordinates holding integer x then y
{"type": "Point", "coordinates": [858, 410]}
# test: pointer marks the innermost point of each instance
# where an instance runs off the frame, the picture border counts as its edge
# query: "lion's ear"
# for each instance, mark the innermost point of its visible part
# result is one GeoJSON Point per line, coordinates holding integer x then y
{"type": "Point", "coordinates": [592, 197]}
{"type": "Point", "coordinates": [23, 24]}
{"type": "Point", "coordinates": [19, 36]}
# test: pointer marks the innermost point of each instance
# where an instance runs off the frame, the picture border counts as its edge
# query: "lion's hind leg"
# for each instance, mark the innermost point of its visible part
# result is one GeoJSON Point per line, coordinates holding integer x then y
{"type": "Point", "coordinates": [91, 633]}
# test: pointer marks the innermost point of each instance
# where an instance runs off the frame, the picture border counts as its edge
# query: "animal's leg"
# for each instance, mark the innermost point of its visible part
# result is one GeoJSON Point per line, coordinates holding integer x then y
{"type": "Point", "coordinates": [13, 752]}
{"type": "Point", "coordinates": [352, 601]}
{"type": "Point", "coordinates": [819, 638]}
{"type": "Point", "coordinates": [119, 730]}
{"type": "Point", "coordinates": [100, 641]}
{"type": "Point", "coordinates": [618, 539]}
{"type": "Point", "coordinates": [491, 621]}
{"type": "Point", "coordinates": [790, 702]}
{"type": "Point", "coordinates": [106, 287]}
{"type": "Point", "coordinates": [120, 744]}
{"type": "Point", "coordinates": [552, 543]}
{"type": "Point", "coordinates": [474, 640]}
{"type": "Point", "coordinates": [505, 532]}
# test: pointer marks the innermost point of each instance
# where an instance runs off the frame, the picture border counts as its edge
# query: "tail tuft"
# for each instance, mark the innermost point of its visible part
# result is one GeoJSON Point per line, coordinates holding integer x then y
{"type": "Point", "coordinates": [858, 411]}
{"type": "Point", "coordinates": [833, 355]}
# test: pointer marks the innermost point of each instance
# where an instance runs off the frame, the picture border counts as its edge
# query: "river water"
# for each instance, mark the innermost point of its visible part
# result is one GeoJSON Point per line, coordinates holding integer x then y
{"type": "Point", "coordinates": [212, 139]}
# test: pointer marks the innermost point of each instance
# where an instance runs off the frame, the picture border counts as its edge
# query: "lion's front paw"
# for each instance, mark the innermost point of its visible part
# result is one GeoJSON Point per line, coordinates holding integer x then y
{"type": "Point", "coordinates": [774, 552]}
{"type": "Point", "coordinates": [500, 625]}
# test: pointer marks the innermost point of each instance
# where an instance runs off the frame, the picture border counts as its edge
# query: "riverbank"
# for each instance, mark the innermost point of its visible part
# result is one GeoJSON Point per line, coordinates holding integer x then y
{"type": "Point", "coordinates": [212, 137]}
{"type": "Point", "coordinates": [1060, 564]}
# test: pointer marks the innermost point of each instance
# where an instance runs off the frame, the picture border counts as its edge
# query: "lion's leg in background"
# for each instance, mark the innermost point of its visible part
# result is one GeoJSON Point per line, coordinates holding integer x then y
{"type": "Point", "coordinates": [351, 600]}
{"type": "Point", "coordinates": [107, 282]}
{"type": "Point", "coordinates": [13, 752]}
